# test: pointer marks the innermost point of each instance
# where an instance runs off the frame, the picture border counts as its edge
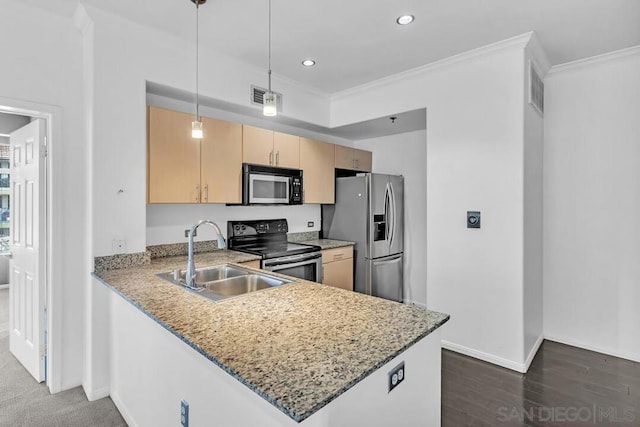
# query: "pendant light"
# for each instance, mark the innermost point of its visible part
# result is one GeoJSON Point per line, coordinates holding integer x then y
{"type": "Point", "coordinates": [269, 107]}
{"type": "Point", "coordinates": [196, 126]}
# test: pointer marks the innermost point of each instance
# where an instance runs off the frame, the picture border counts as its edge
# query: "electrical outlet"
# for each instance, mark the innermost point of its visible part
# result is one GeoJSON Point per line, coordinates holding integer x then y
{"type": "Point", "coordinates": [396, 376]}
{"type": "Point", "coordinates": [184, 413]}
{"type": "Point", "coordinates": [119, 246]}
{"type": "Point", "coordinates": [186, 233]}
{"type": "Point", "coordinates": [310, 224]}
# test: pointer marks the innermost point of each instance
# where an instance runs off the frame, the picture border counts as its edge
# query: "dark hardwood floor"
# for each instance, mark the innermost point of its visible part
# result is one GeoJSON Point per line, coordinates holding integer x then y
{"type": "Point", "coordinates": [565, 386]}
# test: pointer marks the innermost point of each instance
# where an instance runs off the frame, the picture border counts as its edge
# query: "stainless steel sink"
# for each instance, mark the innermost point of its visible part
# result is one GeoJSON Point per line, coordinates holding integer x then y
{"type": "Point", "coordinates": [207, 274]}
{"type": "Point", "coordinates": [225, 281]}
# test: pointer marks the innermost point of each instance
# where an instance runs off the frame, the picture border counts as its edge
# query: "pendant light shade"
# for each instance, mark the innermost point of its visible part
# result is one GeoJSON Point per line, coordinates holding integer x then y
{"type": "Point", "coordinates": [269, 106]}
{"type": "Point", "coordinates": [197, 131]}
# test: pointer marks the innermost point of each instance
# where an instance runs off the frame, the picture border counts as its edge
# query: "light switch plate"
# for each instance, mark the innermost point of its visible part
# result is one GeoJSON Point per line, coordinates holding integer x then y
{"type": "Point", "coordinates": [473, 219]}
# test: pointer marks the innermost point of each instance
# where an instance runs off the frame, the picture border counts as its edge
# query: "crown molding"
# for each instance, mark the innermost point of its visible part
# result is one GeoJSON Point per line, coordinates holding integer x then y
{"type": "Point", "coordinates": [517, 41]}
{"type": "Point", "coordinates": [539, 55]}
{"type": "Point", "coordinates": [594, 60]}
{"type": "Point", "coordinates": [82, 20]}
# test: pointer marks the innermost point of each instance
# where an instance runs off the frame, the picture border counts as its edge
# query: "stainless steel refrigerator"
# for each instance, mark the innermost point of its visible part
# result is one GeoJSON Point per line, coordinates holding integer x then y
{"type": "Point", "coordinates": [369, 211]}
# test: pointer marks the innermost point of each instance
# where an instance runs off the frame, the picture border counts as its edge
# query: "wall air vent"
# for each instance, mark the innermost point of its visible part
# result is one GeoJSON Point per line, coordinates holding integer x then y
{"type": "Point", "coordinates": [257, 97]}
{"type": "Point", "coordinates": [536, 89]}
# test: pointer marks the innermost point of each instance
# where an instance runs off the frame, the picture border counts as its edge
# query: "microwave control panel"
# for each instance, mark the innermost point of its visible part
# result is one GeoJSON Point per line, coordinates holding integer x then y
{"type": "Point", "coordinates": [296, 190]}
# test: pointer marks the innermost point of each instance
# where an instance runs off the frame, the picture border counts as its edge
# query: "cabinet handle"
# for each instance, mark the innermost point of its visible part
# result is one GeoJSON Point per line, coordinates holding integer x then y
{"type": "Point", "coordinates": [357, 163]}
{"type": "Point", "coordinates": [271, 157]}
{"type": "Point", "coordinates": [277, 157]}
{"type": "Point", "coordinates": [206, 192]}
{"type": "Point", "coordinates": [197, 194]}
{"type": "Point", "coordinates": [337, 256]}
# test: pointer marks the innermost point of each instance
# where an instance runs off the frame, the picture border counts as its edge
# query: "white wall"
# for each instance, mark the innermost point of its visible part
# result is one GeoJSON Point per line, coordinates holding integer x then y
{"type": "Point", "coordinates": [533, 200]}
{"type": "Point", "coordinates": [41, 56]}
{"type": "Point", "coordinates": [125, 56]}
{"type": "Point", "coordinates": [405, 154]}
{"type": "Point", "coordinates": [166, 223]}
{"type": "Point", "coordinates": [474, 161]}
{"type": "Point", "coordinates": [592, 200]}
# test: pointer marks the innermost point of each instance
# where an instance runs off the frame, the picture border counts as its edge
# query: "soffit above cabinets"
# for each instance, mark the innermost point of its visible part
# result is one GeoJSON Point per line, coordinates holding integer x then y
{"type": "Point", "coordinates": [176, 99]}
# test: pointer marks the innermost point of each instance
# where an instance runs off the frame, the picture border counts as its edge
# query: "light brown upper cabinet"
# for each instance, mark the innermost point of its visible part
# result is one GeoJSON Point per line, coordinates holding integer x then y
{"type": "Point", "coordinates": [287, 150]}
{"type": "Point", "coordinates": [266, 147]}
{"type": "Point", "coordinates": [353, 159]}
{"type": "Point", "coordinates": [317, 164]}
{"type": "Point", "coordinates": [362, 159]}
{"type": "Point", "coordinates": [173, 163]}
{"type": "Point", "coordinates": [221, 162]}
{"type": "Point", "coordinates": [185, 170]}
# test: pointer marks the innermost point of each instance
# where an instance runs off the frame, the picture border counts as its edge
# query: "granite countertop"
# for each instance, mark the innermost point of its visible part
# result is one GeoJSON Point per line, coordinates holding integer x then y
{"type": "Point", "coordinates": [299, 346]}
{"type": "Point", "coordinates": [328, 243]}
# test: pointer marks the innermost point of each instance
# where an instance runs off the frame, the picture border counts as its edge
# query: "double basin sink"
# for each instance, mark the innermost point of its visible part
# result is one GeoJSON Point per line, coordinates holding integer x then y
{"type": "Point", "coordinates": [224, 281]}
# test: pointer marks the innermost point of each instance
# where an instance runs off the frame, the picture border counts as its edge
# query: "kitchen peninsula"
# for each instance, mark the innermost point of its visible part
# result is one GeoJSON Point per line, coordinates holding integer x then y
{"type": "Point", "coordinates": [299, 353]}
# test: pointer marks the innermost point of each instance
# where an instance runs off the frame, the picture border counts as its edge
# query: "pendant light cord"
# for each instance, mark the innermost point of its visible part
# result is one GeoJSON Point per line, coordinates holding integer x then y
{"type": "Point", "coordinates": [269, 45]}
{"type": "Point", "coordinates": [197, 59]}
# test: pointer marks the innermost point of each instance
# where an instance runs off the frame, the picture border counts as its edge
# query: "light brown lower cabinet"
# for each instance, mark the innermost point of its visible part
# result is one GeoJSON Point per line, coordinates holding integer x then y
{"type": "Point", "coordinates": [252, 264]}
{"type": "Point", "coordinates": [337, 264]}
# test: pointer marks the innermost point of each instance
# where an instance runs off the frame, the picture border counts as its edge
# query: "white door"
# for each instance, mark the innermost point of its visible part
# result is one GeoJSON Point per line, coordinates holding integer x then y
{"type": "Point", "coordinates": [26, 274]}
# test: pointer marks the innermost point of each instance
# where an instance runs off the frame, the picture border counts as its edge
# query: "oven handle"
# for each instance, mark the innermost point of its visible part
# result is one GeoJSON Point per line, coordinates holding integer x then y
{"type": "Point", "coordinates": [287, 261]}
{"type": "Point", "coordinates": [270, 264]}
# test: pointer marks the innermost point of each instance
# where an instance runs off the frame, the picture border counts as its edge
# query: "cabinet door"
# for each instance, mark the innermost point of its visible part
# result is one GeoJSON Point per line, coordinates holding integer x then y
{"type": "Point", "coordinates": [287, 150]}
{"type": "Point", "coordinates": [173, 158]}
{"type": "Point", "coordinates": [339, 274]}
{"type": "Point", "coordinates": [344, 157]}
{"type": "Point", "coordinates": [252, 264]}
{"type": "Point", "coordinates": [362, 160]}
{"type": "Point", "coordinates": [257, 146]}
{"type": "Point", "coordinates": [221, 162]}
{"type": "Point", "coordinates": [318, 171]}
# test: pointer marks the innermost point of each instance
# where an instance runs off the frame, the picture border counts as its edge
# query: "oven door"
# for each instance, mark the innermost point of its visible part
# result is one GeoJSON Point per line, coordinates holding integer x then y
{"type": "Point", "coordinates": [269, 189]}
{"type": "Point", "coordinates": [304, 266]}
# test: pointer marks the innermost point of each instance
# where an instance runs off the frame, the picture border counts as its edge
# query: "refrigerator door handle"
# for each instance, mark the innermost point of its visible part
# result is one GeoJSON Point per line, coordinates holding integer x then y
{"type": "Point", "coordinates": [392, 221]}
{"type": "Point", "coordinates": [387, 208]}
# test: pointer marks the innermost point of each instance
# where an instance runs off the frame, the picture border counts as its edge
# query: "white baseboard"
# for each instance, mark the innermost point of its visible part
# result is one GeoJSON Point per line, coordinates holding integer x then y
{"type": "Point", "coordinates": [533, 352]}
{"type": "Point", "coordinates": [4, 287]}
{"type": "Point", "coordinates": [123, 410]}
{"type": "Point", "coordinates": [477, 354]}
{"type": "Point", "coordinates": [96, 394]}
{"type": "Point", "coordinates": [581, 344]}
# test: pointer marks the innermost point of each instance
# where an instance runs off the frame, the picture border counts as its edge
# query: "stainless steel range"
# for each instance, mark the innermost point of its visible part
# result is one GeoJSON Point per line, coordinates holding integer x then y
{"type": "Point", "coordinates": [268, 239]}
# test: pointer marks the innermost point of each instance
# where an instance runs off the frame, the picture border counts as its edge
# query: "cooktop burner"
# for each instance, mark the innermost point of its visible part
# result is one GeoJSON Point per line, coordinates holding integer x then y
{"type": "Point", "coordinates": [267, 238]}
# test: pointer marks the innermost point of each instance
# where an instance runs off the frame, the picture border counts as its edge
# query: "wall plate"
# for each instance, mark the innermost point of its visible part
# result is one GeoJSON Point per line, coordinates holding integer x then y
{"type": "Point", "coordinates": [473, 219]}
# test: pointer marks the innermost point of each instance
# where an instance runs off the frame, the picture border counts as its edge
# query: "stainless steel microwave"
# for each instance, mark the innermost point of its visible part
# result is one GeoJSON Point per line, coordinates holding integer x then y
{"type": "Point", "coordinates": [265, 185]}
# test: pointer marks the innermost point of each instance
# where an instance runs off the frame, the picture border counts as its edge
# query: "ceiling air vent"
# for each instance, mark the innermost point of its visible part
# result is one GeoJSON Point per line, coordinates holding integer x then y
{"type": "Point", "coordinates": [536, 89]}
{"type": "Point", "coordinates": [257, 97]}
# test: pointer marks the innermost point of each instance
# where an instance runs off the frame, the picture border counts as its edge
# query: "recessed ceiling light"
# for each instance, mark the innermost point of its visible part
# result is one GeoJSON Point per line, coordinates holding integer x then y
{"type": "Point", "coordinates": [405, 19]}
{"type": "Point", "coordinates": [308, 62]}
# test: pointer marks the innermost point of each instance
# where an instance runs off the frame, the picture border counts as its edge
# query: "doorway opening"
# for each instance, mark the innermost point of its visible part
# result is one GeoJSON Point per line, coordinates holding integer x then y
{"type": "Point", "coordinates": [24, 239]}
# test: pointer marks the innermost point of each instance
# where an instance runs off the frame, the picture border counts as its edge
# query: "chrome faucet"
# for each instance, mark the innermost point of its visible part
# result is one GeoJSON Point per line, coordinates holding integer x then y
{"type": "Point", "coordinates": [191, 268]}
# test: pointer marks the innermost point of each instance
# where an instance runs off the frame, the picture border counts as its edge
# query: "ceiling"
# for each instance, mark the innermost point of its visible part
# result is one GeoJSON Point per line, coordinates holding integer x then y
{"type": "Point", "coordinates": [357, 41]}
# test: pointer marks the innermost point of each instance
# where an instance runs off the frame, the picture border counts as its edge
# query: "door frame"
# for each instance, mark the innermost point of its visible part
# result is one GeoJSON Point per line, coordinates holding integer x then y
{"type": "Point", "coordinates": [53, 247]}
